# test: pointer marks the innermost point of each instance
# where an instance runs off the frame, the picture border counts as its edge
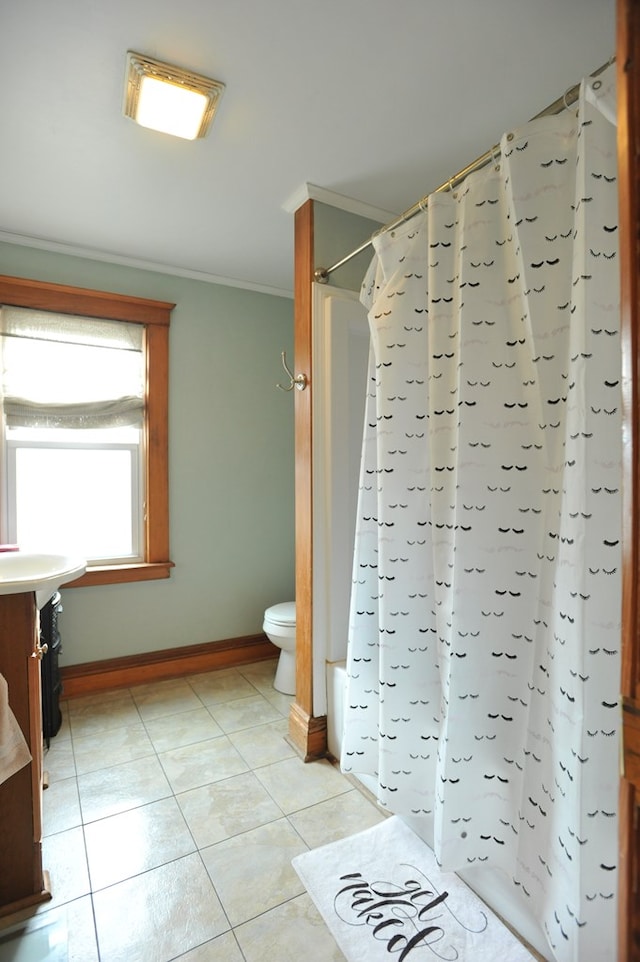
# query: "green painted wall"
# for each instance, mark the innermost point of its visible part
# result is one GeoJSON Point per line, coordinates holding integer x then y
{"type": "Point", "coordinates": [231, 467]}
{"type": "Point", "coordinates": [336, 234]}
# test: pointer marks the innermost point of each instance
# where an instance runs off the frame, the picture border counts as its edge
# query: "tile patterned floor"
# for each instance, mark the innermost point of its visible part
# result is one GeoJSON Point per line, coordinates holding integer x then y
{"type": "Point", "coordinates": [173, 813]}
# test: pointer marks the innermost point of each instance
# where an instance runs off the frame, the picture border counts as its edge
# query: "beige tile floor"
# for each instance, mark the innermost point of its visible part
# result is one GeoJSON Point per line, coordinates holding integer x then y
{"type": "Point", "coordinates": [173, 813]}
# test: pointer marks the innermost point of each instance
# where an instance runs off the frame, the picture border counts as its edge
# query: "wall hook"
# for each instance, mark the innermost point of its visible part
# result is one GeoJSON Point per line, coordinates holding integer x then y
{"type": "Point", "coordinates": [297, 380]}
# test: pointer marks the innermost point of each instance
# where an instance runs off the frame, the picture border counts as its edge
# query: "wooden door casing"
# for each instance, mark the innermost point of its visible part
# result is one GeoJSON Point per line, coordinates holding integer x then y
{"type": "Point", "coordinates": [307, 733]}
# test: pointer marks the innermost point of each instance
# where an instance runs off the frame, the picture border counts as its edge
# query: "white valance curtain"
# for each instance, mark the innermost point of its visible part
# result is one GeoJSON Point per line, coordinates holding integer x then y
{"type": "Point", "coordinates": [483, 663]}
{"type": "Point", "coordinates": [65, 371]}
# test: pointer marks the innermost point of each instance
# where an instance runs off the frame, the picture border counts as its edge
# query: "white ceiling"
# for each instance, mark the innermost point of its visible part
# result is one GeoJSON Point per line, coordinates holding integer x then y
{"type": "Point", "coordinates": [377, 101]}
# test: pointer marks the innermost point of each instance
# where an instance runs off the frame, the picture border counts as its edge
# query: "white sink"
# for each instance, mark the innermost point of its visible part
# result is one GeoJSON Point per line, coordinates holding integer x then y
{"type": "Point", "coordinates": [24, 571]}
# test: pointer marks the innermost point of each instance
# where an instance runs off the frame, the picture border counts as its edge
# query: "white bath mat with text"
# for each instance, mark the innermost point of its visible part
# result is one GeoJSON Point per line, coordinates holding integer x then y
{"type": "Point", "coordinates": [384, 898]}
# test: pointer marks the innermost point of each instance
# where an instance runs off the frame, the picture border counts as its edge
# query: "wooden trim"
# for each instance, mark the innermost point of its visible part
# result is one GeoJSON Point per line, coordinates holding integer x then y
{"type": "Point", "coordinates": [40, 295]}
{"type": "Point", "coordinates": [628, 96]}
{"type": "Point", "coordinates": [308, 735]}
{"type": "Point", "coordinates": [150, 666]}
{"type": "Point", "coordinates": [631, 757]}
{"type": "Point", "coordinates": [155, 315]}
{"type": "Point", "coordinates": [631, 708]}
{"type": "Point", "coordinates": [17, 908]}
{"type": "Point", "coordinates": [157, 446]}
{"type": "Point", "coordinates": [121, 574]}
{"type": "Point", "coordinates": [626, 863]}
{"type": "Point", "coordinates": [303, 308]}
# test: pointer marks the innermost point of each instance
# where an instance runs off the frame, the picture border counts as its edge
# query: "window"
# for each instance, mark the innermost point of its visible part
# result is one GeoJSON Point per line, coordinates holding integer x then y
{"type": "Point", "coordinates": [85, 427]}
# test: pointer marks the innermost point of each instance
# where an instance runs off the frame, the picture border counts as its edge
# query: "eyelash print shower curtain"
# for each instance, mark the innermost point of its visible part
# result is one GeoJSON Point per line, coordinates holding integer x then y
{"type": "Point", "coordinates": [484, 642]}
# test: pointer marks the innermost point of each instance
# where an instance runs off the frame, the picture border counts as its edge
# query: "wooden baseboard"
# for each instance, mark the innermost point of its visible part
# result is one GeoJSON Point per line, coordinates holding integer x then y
{"type": "Point", "coordinates": [97, 676]}
{"type": "Point", "coordinates": [15, 912]}
{"type": "Point", "coordinates": [308, 735]}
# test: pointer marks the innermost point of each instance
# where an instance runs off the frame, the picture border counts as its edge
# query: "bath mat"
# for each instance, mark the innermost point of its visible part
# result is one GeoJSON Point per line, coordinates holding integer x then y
{"type": "Point", "coordinates": [383, 897]}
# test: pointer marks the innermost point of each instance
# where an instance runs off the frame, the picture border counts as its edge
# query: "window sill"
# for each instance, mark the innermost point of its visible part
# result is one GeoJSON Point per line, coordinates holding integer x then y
{"type": "Point", "coordinates": [122, 574]}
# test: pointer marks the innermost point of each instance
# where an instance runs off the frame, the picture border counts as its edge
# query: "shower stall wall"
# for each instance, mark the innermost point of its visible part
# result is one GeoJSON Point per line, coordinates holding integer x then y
{"type": "Point", "coordinates": [340, 360]}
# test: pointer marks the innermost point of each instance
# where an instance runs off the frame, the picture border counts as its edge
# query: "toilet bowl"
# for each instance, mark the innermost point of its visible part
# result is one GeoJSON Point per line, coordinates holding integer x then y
{"type": "Point", "coordinates": [280, 628]}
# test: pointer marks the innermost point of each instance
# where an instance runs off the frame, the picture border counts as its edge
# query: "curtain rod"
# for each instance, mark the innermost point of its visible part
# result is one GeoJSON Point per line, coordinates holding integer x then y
{"type": "Point", "coordinates": [321, 274]}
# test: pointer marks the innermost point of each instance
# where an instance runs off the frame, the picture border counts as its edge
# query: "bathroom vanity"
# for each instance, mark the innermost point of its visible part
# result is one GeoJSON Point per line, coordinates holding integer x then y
{"type": "Point", "coordinates": [22, 879]}
{"type": "Point", "coordinates": [27, 582]}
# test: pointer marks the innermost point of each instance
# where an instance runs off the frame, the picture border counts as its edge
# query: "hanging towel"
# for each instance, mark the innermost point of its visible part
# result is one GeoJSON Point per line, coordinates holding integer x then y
{"type": "Point", "coordinates": [14, 751]}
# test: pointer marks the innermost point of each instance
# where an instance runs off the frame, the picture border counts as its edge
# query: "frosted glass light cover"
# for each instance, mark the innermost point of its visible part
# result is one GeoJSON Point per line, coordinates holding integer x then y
{"type": "Point", "coordinates": [169, 108]}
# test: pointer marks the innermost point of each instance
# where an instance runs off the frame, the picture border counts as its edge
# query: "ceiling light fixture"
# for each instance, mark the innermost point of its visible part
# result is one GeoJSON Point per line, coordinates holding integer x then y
{"type": "Point", "coordinates": [169, 99]}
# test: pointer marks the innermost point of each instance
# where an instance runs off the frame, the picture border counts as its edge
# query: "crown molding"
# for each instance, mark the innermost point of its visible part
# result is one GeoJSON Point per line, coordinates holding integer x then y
{"type": "Point", "coordinates": [312, 192]}
{"type": "Point", "coordinates": [39, 243]}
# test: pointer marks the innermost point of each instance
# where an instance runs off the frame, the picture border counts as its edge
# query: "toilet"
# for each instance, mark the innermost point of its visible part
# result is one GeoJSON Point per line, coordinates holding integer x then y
{"type": "Point", "coordinates": [280, 628]}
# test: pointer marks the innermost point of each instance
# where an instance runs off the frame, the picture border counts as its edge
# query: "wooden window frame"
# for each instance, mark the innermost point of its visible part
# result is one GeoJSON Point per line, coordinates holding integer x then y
{"type": "Point", "coordinates": [155, 316]}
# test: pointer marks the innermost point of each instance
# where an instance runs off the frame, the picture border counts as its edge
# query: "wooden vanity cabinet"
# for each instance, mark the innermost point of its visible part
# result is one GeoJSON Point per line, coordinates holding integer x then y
{"type": "Point", "coordinates": [22, 880]}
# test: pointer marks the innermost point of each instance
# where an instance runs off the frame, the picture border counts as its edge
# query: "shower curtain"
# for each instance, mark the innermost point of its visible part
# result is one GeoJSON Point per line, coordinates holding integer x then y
{"type": "Point", "coordinates": [483, 661]}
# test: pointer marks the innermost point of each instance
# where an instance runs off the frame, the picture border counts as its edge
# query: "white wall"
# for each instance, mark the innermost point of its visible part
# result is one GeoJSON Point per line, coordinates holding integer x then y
{"type": "Point", "coordinates": [340, 359]}
{"type": "Point", "coordinates": [230, 467]}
